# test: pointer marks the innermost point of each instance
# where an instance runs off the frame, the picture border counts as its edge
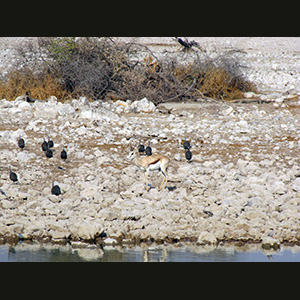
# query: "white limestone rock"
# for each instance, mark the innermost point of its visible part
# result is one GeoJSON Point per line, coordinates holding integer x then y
{"type": "Point", "coordinates": [270, 242]}
{"type": "Point", "coordinates": [86, 231]}
{"type": "Point", "coordinates": [296, 184]}
{"type": "Point", "coordinates": [143, 105]}
{"type": "Point", "coordinates": [206, 237]}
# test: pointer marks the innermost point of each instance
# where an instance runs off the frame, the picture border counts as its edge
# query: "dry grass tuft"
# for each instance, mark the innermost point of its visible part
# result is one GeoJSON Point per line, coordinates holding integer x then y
{"type": "Point", "coordinates": [219, 84]}
{"type": "Point", "coordinates": [40, 87]}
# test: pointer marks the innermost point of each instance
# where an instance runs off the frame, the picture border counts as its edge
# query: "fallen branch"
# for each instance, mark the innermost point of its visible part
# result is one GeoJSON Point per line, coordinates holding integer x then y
{"type": "Point", "coordinates": [244, 100]}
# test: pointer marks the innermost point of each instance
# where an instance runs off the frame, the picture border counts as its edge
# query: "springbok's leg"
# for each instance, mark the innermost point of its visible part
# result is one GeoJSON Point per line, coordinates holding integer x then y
{"type": "Point", "coordinates": [165, 179]}
{"type": "Point", "coordinates": [162, 183]}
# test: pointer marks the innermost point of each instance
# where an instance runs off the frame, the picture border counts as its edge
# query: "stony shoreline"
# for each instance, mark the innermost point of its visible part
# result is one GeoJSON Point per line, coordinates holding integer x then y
{"type": "Point", "coordinates": [243, 183]}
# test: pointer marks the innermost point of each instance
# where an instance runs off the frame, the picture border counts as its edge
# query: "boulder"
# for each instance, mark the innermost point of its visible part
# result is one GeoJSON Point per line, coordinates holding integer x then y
{"type": "Point", "coordinates": [59, 234]}
{"type": "Point", "coordinates": [6, 104]}
{"type": "Point", "coordinates": [110, 241]}
{"type": "Point", "coordinates": [269, 242]}
{"type": "Point", "coordinates": [143, 105]}
{"type": "Point", "coordinates": [109, 214]}
{"type": "Point", "coordinates": [296, 185]}
{"type": "Point", "coordinates": [250, 95]}
{"type": "Point", "coordinates": [6, 204]}
{"type": "Point", "coordinates": [206, 237]}
{"type": "Point", "coordinates": [86, 231]}
{"type": "Point", "coordinates": [45, 110]}
{"type": "Point", "coordinates": [66, 109]}
{"type": "Point", "coordinates": [24, 106]}
{"type": "Point", "coordinates": [277, 187]}
{"type": "Point", "coordinates": [83, 101]}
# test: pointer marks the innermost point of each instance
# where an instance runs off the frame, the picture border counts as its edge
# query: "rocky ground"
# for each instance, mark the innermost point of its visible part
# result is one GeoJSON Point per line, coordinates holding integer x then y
{"type": "Point", "coordinates": [243, 183]}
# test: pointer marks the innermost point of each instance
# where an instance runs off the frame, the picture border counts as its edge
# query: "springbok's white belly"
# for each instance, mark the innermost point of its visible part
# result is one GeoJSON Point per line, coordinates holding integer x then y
{"type": "Point", "coordinates": [155, 166]}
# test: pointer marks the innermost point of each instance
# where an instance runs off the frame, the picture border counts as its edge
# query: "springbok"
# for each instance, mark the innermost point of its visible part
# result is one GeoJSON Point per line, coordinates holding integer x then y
{"type": "Point", "coordinates": [151, 163]}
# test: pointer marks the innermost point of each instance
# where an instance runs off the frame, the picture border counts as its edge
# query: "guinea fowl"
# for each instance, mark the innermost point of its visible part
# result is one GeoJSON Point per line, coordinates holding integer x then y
{"type": "Point", "coordinates": [12, 175]}
{"type": "Point", "coordinates": [21, 142]}
{"type": "Point", "coordinates": [148, 150]}
{"type": "Point", "coordinates": [55, 190]}
{"type": "Point", "coordinates": [186, 144]}
{"type": "Point", "coordinates": [49, 153]}
{"type": "Point", "coordinates": [188, 155]}
{"type": "Point", "coordinates": [45, 146]}
{"type": "Point", "coordinates": [50, 143]}
{"type": "Point", "coordinates": [141, 148]}
{"type": "Point", "coordinates": [63, 154]}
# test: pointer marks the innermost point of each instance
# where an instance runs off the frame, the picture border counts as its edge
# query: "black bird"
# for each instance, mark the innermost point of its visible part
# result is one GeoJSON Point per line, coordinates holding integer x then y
{"type": "Point", "coordinates": [141, 148]}
{"type": "Point", "coordinates": [27, 98]}
{"type": "Point", "coordinates": [50, 143]}
{"type": "Point", "coordinates": [21, 142]}
{"type": "Point", "coordinates": [148, 150]}
{"type": "Point", "coordinates": [187, 44]}
{"type": "Point", "coordinates": [45, 145]}
{"type": "Point", "coordinates": [63, 154]}
{"type": "Point", "coordinates": [188, 155]}
{"type": "Point", "coordinates": [186, 144]}
{"type": "Point", "coordinates": [49, 153]}
{"type": "Point", "coordinates": [12, 175]}
{"type": "Point", "coordinates": [55, 190]}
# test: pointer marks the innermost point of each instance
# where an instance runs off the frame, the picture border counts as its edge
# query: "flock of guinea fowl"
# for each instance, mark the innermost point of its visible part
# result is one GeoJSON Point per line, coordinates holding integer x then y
{"type": "Point", "coordinates": [47, 145]}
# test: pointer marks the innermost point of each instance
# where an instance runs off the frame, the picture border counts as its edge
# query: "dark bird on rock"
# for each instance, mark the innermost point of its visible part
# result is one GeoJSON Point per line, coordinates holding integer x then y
{"type": "Point", "coordinates": [21, 142]}
{"type": "Point", "coordinates": [186, 144]}
{"type": "Point", "coordinates": [141, 148]}
{"type": "Point", "coordinates": [148, 150]}
{"type": "Point", "coordinates": [45, 145]}
{"type": "Point", "coordinates": [63, 154]}
{"type": "Point", "coordinates": [55, 190]}
{"type": "Point", "coordinates": [188, 155]}
{"type": "Point", "coordinates": [49, 153]}
{"type": "Point", "coordinates": [12, 175]}
{"type": "Point", "coordinates": [27, 98]}
{"type": "Point", "coordinates": [50, 143]}
{"type": "Point", "coordinates": [187, 44]}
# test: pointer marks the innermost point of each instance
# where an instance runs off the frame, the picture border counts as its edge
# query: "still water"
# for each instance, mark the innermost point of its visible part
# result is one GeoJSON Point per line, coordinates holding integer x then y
{"type": "Point", "coordinates": [162, 253]}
